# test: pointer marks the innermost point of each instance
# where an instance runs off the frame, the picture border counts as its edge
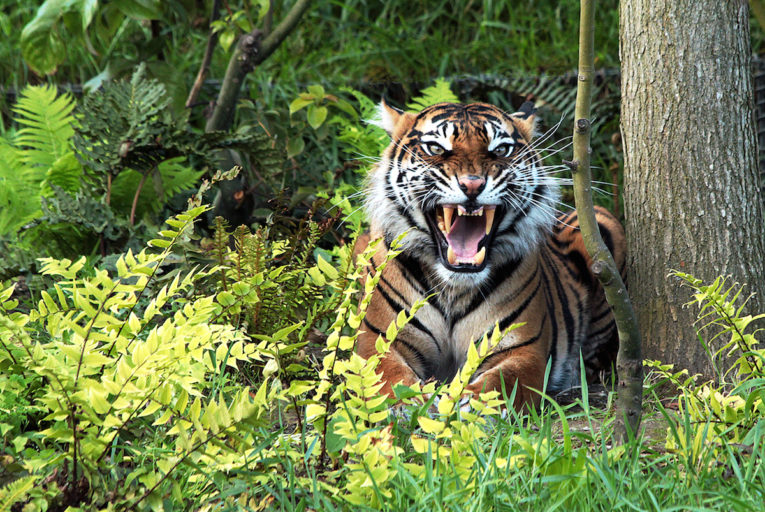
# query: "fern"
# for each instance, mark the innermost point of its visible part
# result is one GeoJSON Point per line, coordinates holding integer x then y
{"type": "Point", "coordinates": [170, 178]}
{"type": "Point", "coordinates": [39, 156]}
{"type": "Point", "coordinates": [17, 185]}
{"type": "Point", "coordinates": [121, 126]}
{"type": "Point", "coordinates": [14, 491]}
{"type": "Point", "coordinates": [47, 120]}
{"type": "Point", "coordinates": [712, 414]}
{"type": "Point", "coordinates": [440, 92]}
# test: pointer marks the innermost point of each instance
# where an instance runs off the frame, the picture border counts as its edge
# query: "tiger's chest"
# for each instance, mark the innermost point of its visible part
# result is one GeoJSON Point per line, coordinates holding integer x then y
{"type": "Point", "coordinates": [523, 295]}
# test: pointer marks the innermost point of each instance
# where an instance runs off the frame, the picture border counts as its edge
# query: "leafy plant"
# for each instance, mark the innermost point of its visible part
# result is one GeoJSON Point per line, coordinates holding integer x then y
{"type": "Point", "coordinates": [129, 125]}
{"type": "Point", "coordinates": [44, 38]}
{"type": "Point", "coordinates": [74, 179]}
{"type": "Point", "coordinates": [715, 414]}
{"type": "Point", "coordinates": [116, 365]}
{"type": "Point", "coordinates": [439, 92]}
{"type": "Point", "coordinates": [15, 491]}
{"type": "Point", "coordinates": [37, 157]}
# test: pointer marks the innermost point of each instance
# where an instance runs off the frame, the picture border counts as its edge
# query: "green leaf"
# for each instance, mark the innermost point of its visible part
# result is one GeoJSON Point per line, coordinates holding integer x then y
{"type": "Point", "coordinates": [226, 298]}
{"type": "Point", "coordinates": [87, 10]}
{"type": "Point", "coordinates": [295, 146]}
{"type": "Point", "coordinates": [440, 92]}
{"type": "Point", "coordinates": [41, 44]}
{"type": "Point", "coordinates": [299, 103]}
{"type": "Point", "coordinates": [226, 39]}
{"type": "Point", "coordinates": [328, 270]}
{"type": "Point", "coordinates": [430, 426]}
{"type": "Point", "coordinates": [140, 9]}
{"type": "Point", "coordinates": [317, 91]}
{"type": "Point", "coordinates": [316, 116]}
{"type": "Point", "coordinates": [15, 491]}
{"type": "Point", "coordinates": [391, 332]}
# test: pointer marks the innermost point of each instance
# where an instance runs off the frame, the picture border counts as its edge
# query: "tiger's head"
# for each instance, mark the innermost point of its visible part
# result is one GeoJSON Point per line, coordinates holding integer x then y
{"type": "Point", "coordinates": [467, 184]}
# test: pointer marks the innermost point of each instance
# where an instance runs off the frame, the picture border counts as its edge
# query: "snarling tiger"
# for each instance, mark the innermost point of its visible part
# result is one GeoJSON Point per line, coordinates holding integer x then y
{"type": "Point", "coordinates": [485, 236]}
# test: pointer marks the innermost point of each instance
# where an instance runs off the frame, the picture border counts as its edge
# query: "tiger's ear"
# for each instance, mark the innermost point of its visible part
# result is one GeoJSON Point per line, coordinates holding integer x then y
{"type": "Point", "coordinates": [392, 120]}
{"type": "Point", "coordinates": [526, 120]}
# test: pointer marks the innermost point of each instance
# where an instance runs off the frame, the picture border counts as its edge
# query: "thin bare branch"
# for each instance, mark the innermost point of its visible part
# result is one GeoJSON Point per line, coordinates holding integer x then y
{"type": "Point", "coordinates": [212, 40]}
{"type": "Point", "coordinates": [629, 364]}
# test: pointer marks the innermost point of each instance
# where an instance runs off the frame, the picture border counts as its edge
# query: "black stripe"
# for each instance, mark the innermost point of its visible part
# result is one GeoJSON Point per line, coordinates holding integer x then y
{"type": "Point", "coordinates": [565, 307]}
{"type": "Point", "coordinates": [610, 325]}
{"type": "Point", "coordinates": [561, 244]}
{"type": "Point", "coordinates": [551, 309]}
{"type": "Point", "coordinates": [526, 343]}
{"type": "Point", "coordinates": [581, 271]}
{"type": "Point", "coordinates": [497, 278]}
{"type": "Point", "coordinates": [402, 211]}
{"type": "Point", "coordinates": [373, 328]}
{"type": "Point", "coordinates": [602, 314]}
{"type": "Point", "coordinates": [424, 361]}
{"type": "Point", "coordinates": [563, 258]}
{"type": "Point", "coordinates": [414, 274]}
{"type": "Point", "coordinates": [517, 291]}
{"type": "Point", "coordinates": [579, 335]}
{"type": "Point", "coordinates": [605, 234]}
{"type": "Point", "coordinates": [414, 322]}
{"type": "Point", "coordinates": [509, 319]}
{"type": "Point", "coordinates": [394, 290]}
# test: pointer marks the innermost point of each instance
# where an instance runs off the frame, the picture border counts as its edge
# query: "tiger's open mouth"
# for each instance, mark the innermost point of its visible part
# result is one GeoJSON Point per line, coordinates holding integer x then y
{"type": "Point", "coordinates": [463, 235]}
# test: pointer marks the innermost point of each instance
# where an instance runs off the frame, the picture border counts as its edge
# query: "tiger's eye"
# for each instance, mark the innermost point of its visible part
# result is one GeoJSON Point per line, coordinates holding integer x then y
{"type": "Point", "coordinates": [434, 148]}
{"type": "Point", "coordinates": [503, 150]}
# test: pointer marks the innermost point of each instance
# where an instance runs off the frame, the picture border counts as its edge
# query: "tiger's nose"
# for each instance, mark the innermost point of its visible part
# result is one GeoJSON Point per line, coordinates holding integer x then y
{"type": "Point", "coordinates": [472, 185]}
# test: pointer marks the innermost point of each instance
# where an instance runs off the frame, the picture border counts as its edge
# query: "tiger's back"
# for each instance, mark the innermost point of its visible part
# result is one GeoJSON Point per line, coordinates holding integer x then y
{"type": "Point", "coordinates": [470, 189]}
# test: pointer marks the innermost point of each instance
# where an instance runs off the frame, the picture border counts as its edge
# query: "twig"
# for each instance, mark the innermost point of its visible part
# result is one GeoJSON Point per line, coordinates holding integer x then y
{"type": "Point", "coordinates": [212, 41]}
{"type": "Point", "coordinates": [629, 361]}
{"type": "Point", "coordinates": [135, 198]}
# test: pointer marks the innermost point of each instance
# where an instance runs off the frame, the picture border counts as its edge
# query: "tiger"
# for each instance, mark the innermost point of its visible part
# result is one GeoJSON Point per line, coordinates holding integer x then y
{"type": "Point", "coordinates": [485, 241]}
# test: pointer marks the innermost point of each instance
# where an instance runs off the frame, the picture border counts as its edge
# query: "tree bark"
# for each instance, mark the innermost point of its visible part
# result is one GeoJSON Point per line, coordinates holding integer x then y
{"type": "Point", "coordinates": [691, 193]}
{"type": "Point", "coordinates": [629, 361]}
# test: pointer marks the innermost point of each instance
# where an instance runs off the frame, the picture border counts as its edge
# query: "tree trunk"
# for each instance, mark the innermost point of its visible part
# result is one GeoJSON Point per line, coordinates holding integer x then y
{"type": "Point", "coordinates": [691, 194]}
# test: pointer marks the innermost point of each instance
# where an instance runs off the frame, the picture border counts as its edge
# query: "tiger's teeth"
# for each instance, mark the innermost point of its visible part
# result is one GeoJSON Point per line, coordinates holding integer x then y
{"type": "Point", "coordinates": [448, 213]}
{"type": "Point", "coordinates": [450, 256]}
{"type": "Point", "coordinates": [489, 220]}
{"type": "Point", "coordinates": [462, 212]}
{"type": "Point", "coordinates": [480, 256]}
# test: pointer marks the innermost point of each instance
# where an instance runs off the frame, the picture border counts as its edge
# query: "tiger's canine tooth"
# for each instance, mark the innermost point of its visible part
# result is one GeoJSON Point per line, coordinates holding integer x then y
{"type": "Point", "coordinates": [489, 219]}
{"type": "Point", "coordinates": [448, 213]}
{"type": "Point", "coordinates": [451, 256]}
{"type": "Point", "coordinates": [480, 256]}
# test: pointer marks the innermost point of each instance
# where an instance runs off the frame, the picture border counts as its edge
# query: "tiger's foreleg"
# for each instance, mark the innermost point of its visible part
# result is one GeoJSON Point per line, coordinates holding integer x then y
{"type": "Point", "coordinates": [522, 368]}
{"type": "Point", "coordinates": [393, 366]}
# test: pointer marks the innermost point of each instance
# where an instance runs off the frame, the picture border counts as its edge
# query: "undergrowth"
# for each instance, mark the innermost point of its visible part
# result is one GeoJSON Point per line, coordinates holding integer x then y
{"type": "Point", "coordinates": [156, 387]}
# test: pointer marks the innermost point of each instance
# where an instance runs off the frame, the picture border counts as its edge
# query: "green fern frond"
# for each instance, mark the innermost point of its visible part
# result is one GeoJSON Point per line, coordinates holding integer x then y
{"type": "Point", "coordinates": [15, 491]}
{"type": "Point", "coordinates": [440, 92]}
{"type": "Point", "coordinates": [122, 127]}
{"type": "Point", "coordinates": [19, 188]}
{"type": "Point", "coordinates": [65, 173]}
{"type": "Point", "coordinates": [174, 177]}
{"type": "Point", "coordinates": [48, 125]}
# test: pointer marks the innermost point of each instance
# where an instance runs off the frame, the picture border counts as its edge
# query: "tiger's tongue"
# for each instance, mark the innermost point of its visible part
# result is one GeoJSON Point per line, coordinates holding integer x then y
{"type": "Point", "coordinates": [465, 235]}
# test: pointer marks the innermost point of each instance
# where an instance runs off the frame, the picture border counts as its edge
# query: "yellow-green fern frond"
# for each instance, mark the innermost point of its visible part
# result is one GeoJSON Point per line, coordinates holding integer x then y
{"type": "Point", "coordinates": [14, 491]}
{"type": "Point", "coordinates": [440, 92]}
{"type": "Point", "coordinates": [47, 122]}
